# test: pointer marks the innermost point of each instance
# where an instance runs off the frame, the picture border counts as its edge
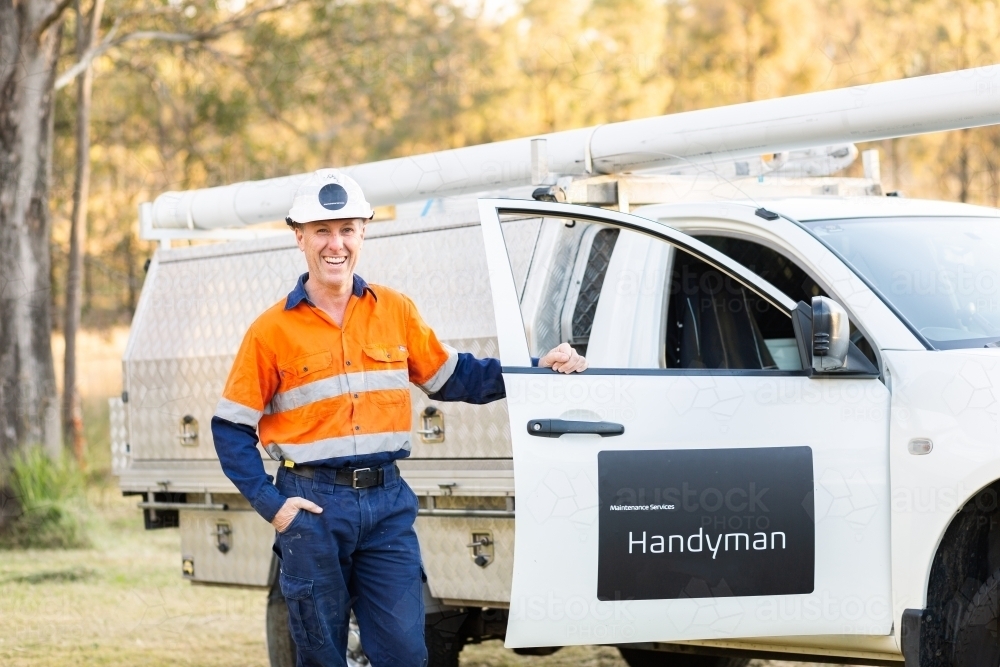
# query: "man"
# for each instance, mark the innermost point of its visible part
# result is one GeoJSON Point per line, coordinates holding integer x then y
{"type": "Point", "coordinates": [322, 377]}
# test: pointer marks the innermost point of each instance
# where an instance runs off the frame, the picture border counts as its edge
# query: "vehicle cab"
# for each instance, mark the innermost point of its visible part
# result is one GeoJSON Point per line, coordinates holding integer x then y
{"type": "Point", "coordinates": [711, 479]}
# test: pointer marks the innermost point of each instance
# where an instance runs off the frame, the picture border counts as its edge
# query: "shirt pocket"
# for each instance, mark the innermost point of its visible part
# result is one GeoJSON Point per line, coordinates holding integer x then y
{"type": "Point", "coordinates": [301, 369]}
{"type": "Point", "coordinates": [387, 373]}
{"type": "Point", "coordinates": [377, 355]}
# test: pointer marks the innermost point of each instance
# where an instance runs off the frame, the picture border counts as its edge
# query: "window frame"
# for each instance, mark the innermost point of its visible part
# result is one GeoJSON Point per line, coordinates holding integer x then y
{"type": "Point", "coordinates": [657, 229]}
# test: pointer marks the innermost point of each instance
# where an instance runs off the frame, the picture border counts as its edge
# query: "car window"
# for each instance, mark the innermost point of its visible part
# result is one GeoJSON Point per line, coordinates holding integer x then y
{"type": "Point", "coordinates": [521, 235]}
{"type": "Point", "coordinates": [596, 246]}
{"type": "Point", "coordinates": [629, 300]}
{"type": "Point", "coordinates": [769, 264]}
{"type": "Point", "coordinates": [942, 274]}
{"type": "Point", "coordinates": [713, 321]}
{"type": "Point", "coordinates": [782, 272]}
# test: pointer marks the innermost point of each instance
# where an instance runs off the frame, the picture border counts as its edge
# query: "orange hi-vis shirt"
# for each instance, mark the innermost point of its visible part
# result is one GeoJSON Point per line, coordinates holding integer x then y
{"type": "Point", "coordinates": [318, 393]}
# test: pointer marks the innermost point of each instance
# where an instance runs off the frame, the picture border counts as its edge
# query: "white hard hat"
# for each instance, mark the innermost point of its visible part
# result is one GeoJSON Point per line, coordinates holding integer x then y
{"type": "Point", "coordinates": [328, 194]}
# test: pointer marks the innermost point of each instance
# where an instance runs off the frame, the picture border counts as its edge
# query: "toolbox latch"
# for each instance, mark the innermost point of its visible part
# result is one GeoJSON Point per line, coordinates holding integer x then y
{"type": "Point", "coordinates": [482, 548]}
{"type": "Point", "coordinates": [431, 425]}
{"type": "Point", "coordinates": [223, 536]}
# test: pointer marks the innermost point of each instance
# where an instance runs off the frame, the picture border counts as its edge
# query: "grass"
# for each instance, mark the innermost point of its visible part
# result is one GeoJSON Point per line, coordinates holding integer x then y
{"type": "Point", "coordinates": [119, 600]}
{"type": "Point", "coordinates": [122, 602]}
{"type": "Point", "coordinates": [97, 457]}
{"type": "Point", "coordinates": [49, 497]}
{"type": "Point", "coordinates": [493, 654]}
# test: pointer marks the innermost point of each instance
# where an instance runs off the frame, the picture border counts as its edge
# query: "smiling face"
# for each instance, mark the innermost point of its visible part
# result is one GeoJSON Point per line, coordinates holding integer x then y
{"type": "Point", "coordinates": [332, 248]}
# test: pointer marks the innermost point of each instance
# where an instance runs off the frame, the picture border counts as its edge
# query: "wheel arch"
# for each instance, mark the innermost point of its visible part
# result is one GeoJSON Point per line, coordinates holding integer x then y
{"type": "Point", "coordinates": [965, 558]}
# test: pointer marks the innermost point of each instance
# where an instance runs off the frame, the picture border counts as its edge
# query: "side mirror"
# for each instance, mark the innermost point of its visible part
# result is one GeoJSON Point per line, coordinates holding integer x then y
{"type": "Point", "coordinates": [831, 334]}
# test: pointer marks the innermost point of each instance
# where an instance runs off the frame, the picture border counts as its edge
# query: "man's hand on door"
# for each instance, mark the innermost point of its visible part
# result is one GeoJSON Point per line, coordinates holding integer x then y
{"type": "Point", "coordinates": [563, 359]}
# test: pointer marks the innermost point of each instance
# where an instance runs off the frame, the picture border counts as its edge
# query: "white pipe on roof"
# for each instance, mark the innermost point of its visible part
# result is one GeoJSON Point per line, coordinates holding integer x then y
{"type": "Point", "coordinates": [934, 103]}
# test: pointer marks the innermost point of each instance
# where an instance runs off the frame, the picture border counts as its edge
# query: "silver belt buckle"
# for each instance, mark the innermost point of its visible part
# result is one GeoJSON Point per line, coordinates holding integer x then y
{"type": "Point", "coordinates": [354, 476]}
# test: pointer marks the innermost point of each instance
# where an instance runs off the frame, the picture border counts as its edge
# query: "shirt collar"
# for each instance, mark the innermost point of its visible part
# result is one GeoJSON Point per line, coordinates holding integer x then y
{"type": "Point", "coordinates": [298, 293]}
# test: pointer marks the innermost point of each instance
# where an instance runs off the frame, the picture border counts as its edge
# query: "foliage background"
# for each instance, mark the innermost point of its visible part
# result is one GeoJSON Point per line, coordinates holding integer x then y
{"type": "Point", "coordinates": [338, 82]}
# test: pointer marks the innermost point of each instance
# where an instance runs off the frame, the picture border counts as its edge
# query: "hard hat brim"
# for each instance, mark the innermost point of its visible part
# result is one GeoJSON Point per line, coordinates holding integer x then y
{"type": "Point", "coordinates": [289, 220]}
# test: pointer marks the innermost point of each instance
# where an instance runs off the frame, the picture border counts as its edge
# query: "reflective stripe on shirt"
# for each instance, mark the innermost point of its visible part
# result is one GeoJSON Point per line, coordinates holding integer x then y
{"type": "Point", "coordinates": [348, 445]}
{"type": "Point", "coordinates": [338, 385]}
{"type": "Point", "coordinates": [236, 413]}
{"type": "Point", "coordinates": [444, 373]}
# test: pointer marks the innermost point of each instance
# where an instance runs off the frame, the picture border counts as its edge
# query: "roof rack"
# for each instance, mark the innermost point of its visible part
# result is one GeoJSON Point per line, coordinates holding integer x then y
{"type": "Point", "coordinates": [736, 135]}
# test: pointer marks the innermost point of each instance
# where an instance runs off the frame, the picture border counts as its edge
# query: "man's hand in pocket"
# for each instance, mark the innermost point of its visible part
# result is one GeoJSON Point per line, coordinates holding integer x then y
{"type": "Point", "coordinates": [288, 511]}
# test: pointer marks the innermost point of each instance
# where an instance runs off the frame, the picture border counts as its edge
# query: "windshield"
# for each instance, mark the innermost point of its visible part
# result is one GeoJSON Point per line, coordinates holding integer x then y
{"type": "Point", "coordinates": [942, 274]}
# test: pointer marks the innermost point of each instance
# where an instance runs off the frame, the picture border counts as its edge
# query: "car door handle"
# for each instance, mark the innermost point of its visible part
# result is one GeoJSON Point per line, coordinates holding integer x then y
{"type": "Point", "coordinates": [553, 428]}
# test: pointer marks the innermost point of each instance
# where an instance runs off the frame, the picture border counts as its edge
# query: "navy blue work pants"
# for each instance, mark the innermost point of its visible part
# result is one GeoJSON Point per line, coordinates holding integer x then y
{"type": "Point", "coordinates": [361, 552]}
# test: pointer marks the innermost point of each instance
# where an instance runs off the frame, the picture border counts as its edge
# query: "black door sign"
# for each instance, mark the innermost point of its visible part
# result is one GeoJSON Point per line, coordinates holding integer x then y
{"type": "Point", "coordinates": [699, 523]}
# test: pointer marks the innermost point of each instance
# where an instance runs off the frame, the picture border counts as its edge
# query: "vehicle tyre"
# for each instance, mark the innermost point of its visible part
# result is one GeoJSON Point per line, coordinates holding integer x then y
{"type": "Point", "coordinates": [444, 638]}
{"type": "Point", "coordinates": [280, 647]}
{"type": "Point", "coordinates": [637, 657]}
{"type": "Point", "coordinates": [976, 641]}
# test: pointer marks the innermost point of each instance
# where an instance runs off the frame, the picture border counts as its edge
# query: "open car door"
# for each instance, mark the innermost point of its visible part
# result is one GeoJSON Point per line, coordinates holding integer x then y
{"type": "Point", "coordinates": [698, 481]}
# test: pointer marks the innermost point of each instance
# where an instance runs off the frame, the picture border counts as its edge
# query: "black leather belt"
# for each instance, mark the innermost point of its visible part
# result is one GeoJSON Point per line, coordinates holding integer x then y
{"type": "Point", "coordinates": [356, 478]}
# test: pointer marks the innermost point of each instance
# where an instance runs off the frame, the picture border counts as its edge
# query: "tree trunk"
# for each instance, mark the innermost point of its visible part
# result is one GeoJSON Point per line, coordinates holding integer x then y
{"type": "Point", "coordinates": [30, 35]}
{"type": "Point", "coordinates": [133, 293]}
{"type": "Point", "coordinates": [86, 34]}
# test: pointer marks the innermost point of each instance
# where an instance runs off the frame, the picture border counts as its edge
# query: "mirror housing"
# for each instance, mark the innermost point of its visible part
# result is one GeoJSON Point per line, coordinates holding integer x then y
{"type": "Point", "coordinates": [822, 332]}
{"type": "Point", "coordinates": [831, 335]}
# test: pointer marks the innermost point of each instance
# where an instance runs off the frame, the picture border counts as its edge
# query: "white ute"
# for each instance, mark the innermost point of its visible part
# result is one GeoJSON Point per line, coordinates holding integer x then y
{"type": "Point", "coordinates": [786, 444]}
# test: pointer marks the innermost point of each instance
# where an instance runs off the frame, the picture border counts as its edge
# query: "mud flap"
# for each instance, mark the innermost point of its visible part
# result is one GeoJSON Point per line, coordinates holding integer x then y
{"type": "Point", "coordinates": [914, 623]}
